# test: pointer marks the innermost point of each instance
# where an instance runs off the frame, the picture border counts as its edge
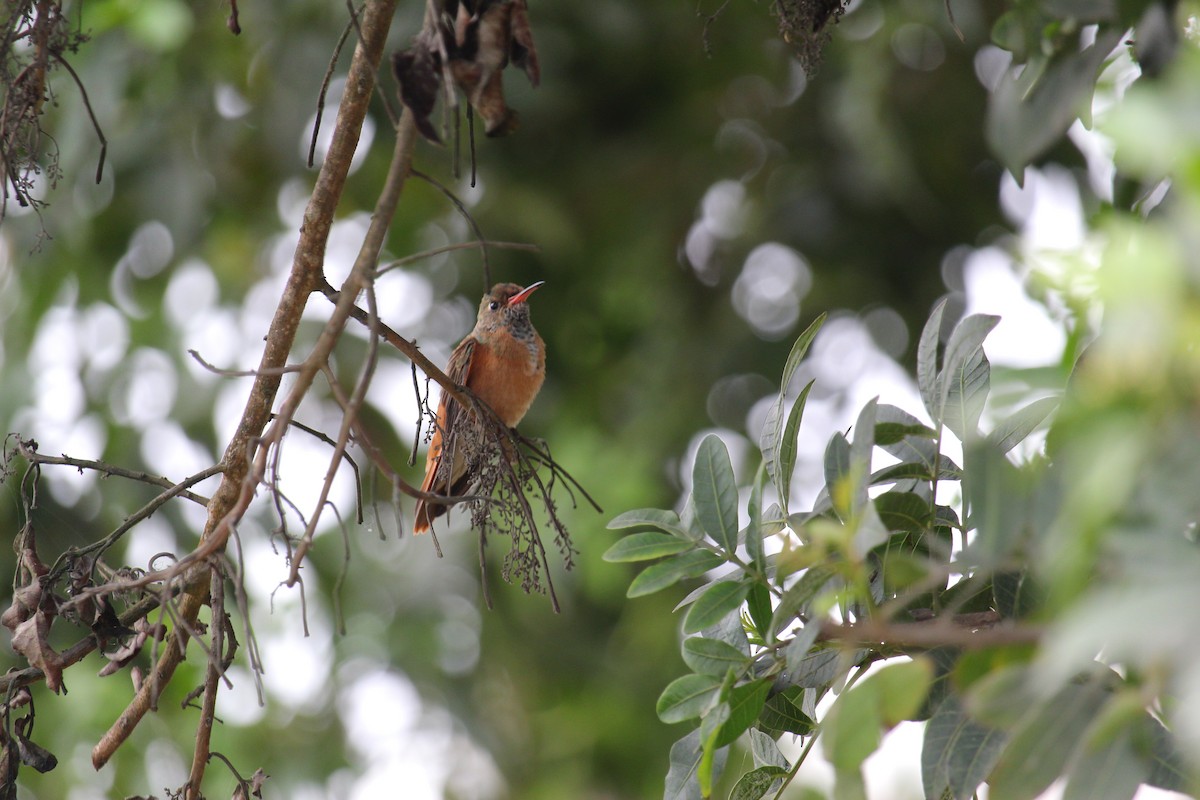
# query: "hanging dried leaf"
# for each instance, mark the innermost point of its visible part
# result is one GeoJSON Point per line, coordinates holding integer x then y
{"type": "Point", "coordinates": [419, 76]}
{"type": "Point", "coordinates": [31, 612]}
{"type": "Point", "coordinates": [524, 54]}
{"type": "Point", "coordinates": [31, 639]}
{"type": "Point", "coordinates": [10, 762]}
{"type": "Point", "coordinates": [24, 603]}
{"type": "Point", "coordinates": [121, 657]}
{"type": "Point", "coordinates": [479, 39]}
{"type": "Point", "coordinates": [31, 753]}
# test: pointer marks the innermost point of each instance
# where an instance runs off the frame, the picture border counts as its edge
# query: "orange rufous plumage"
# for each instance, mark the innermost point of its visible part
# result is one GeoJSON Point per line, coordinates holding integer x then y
{"type": "Point", "coordinates": [503, 361]}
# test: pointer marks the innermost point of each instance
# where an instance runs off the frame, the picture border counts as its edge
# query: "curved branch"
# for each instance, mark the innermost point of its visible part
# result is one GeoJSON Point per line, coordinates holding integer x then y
{"type": "Point", "coordinates": [360, 275]}
{"type": "Point", "coordinates": [237, 487]}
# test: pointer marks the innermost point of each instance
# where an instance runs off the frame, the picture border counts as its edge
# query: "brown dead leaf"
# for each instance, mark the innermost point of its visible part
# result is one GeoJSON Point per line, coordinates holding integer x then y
{"type": "Point", "coordinates": [524, 54]}
{"type": "Point", "coordinates": [32, 754]}
{"type": "Point", "coordinates": [31, 639]}
{"type": "Point", "coordinates": [418, 73]}
{"type": "Point", "coordinates": [479, 38]}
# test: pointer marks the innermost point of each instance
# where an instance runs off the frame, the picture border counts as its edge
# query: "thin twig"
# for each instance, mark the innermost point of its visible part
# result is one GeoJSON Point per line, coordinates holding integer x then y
{"type": "Point", "coordinates": [400, 262]}
{"type": "Point", "coordinates": [81, 464]}
{"type": "Point", "coordinates": [239, 373]}
{"type": "Point", "coordinates": [133, 519]}
{"type": "Point", "coordinates": [200, 755]}
{"type": "Point", "coordinates": [316, 434]}
{"type": "Point", "coordinates": [87, 104]}
{"type": "Point", "coordinates": [462, 209]}
{"type": "Point", "coordinates": [337, 52]}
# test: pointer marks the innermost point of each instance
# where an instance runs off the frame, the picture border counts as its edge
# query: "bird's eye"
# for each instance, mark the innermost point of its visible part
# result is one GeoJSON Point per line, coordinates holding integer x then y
{"type": "Point", "coordinates": [493, 305]}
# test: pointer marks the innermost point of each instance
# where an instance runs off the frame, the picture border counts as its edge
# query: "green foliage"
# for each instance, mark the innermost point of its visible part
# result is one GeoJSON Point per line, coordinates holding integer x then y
{"type": "Point", "coordinates": [894, 560]}
{"type": "Point", "coordinates": [896, 176]}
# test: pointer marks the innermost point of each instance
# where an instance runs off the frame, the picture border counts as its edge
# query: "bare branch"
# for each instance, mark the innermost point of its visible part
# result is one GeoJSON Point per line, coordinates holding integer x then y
{"type": "Point", "coordinates": [87, 103]}
{"type": "Point", "coordinates": [238, 373]}
{"type": "Point", "coordinates": [971, 632]}
{"type": "Point", "coordinates": [481, 243]}
{"type": "Point", "coordinates": [462, 208]}
{"type": "Point", "coordinates": [200, 755]}
{"type": "Point", "coordinates": [179, 489]}
{"type": "Point", "coordinates": [245, 449]}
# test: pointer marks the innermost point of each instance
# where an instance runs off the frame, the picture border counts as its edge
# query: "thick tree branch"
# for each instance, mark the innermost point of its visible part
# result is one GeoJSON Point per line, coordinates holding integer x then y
{"type": "Point", "coordinates": [971, 631]}
{"type": "Point", "coordinates": [238, 484]}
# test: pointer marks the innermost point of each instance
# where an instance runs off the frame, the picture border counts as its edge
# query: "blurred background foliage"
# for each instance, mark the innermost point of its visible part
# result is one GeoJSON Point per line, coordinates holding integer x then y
{"type": "Point", "coordinates": [697, 200]}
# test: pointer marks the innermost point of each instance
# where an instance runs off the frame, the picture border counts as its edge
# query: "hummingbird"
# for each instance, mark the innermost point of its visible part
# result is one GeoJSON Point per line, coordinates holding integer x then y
{"type": "Point", "coordinates": [503, 361]}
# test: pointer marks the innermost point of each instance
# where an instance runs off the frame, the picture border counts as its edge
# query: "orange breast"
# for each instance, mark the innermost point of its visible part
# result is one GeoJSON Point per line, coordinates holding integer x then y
{"type": "Point", "coordinates": [507, 374]}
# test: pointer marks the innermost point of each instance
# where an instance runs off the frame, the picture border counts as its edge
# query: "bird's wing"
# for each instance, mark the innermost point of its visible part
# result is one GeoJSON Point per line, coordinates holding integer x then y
{"type": "Point", "coordinates": [449, 410]}
{"type": "Point", "coordinates": [459, 371]}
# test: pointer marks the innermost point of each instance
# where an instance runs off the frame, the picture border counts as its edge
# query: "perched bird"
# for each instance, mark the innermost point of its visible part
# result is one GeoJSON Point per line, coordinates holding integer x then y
{"type": "Point", "coordinates": [503, 361]}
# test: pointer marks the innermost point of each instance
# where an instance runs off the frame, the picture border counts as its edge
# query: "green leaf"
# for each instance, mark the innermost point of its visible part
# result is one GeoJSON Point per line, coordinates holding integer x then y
{"type": "Point", "coordinates": [714, 492]}
{"type": "Point", "coordinates": [771, 436]}
{"type": "Point", "coordinates": [870, 532]}
{"type": "Point", "coordinates": [903, 511]}
{"type": "Point", "coordinates": [782, 713]}
{"type": "Point", "coordinates": [756, 783]}
{"type": "Point", "coordinates": [669, 572]}
{"type": "Point", "coordinates": [797, 597]}
{"type": "Point", "coordinates": [799, 350]}
{"type": "Point", "coordinates": [965, 376]}
{"type": "Point", "coordinates": [888, 434]}
{"type": "Point", "coordinates": [771, 440]}
{"type": "Point", "coordinates": [682, 783]}
{"type": "Point", "coordinates": [709, 731]}
{"type": "Point", "coordinates": [1168, 770]}
{"type": "Point", "coordinates": [694, 594]}
{"type": "Point", "coordinates": [902, 688]}
{"type": "Point", "coordinates": [1031, 109]}
{"type": "Point", "coordinates": [947, 471]}
{"type": "Point", "coordinates": [745, 704]}
{"type": "Point", "coordinates": [815, 669]}
{"type": "Point", "coordinates": [928, 382]}
{"type": "Point", "coordinates": [1013, 430]}
{"type": "Point", "coordinates": [1002, 500]}
{"type": "Point", "coordinates": [788, 444]}
{"type": "Point", "coordinates": [851, 729]}
{"type": "Point", "coordinates": [765, 750]}
{"type": "Point", "coordinates": [758, 602]}
{"type": "Point", "coordinates": [755, 528]}
{"type": "Point", "coordinates": [848, 784]}
{"type": "Point", "coordinates": [687, 697]}
{"type": "Point", "coordinates": [645, 546]}
{"type": "Point", "coordinates": [712, 656]}
{"type": "Point", "coordinates": [1016, 593]}
{"type": "Point", "coordinates": [1111, 772]}
{"type": "Point", "coordinates": [860, 458]}
{"type": "Point", "coordinates": [721, 599]}
{"type": "Point", "coordinates": [731, 631]}
{"type": "Point", "coordinates": [652, 517]}
{"type": "Point", "coordinates": [1000, 697]}
{"type": "Point", "coordinates": [958, 753]}
{"type": "Point", "coordinates": [905, 437]}
{"type": "Point", "coordinates": [1047, 738]}
{"type": "Point", "coordinates": [837, 464]}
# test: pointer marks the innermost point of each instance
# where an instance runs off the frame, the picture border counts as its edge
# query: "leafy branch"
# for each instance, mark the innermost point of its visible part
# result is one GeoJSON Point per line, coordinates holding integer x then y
{"type": "Point", "coordinates": [792, 602]}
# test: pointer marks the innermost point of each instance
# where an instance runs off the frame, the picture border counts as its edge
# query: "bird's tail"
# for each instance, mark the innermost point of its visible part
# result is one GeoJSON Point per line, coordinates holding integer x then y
{"type": "Point", "coordinates": [424, 513]}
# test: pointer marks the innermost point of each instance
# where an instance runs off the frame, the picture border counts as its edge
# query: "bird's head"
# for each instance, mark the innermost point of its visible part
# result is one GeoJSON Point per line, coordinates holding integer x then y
{"type": "Point", "coordinates": [505, 306]}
